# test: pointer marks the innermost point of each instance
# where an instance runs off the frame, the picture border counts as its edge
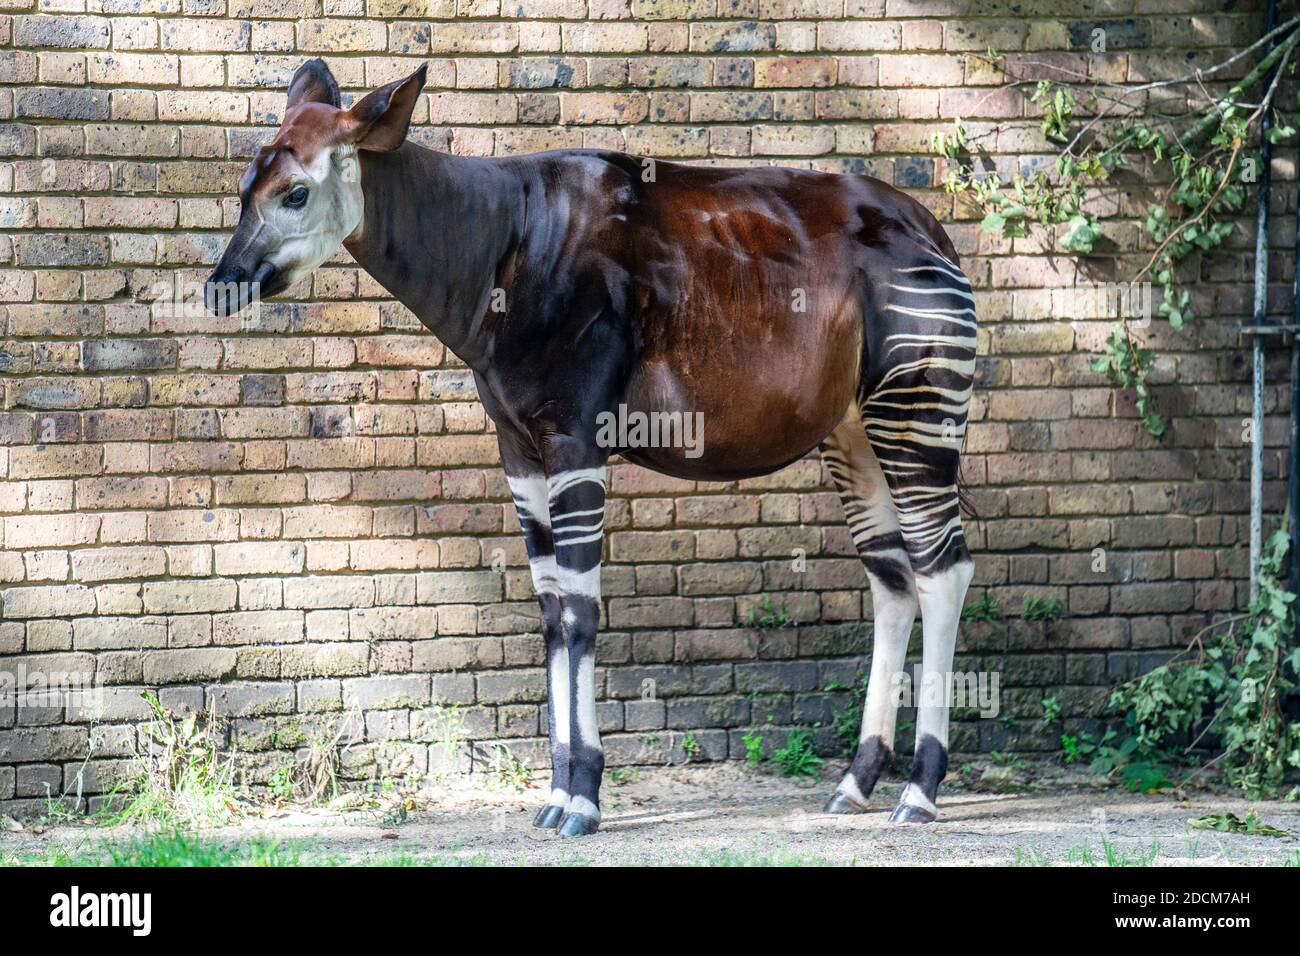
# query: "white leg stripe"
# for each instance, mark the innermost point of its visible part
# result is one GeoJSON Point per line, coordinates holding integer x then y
{"type": "Point", "coordinates": [894, 615]}
{"type": "Point", "coordinates": [585, 583]}
{"type": "Point", "coordinates": [567, 479]}
{"type": "Point", "coordinates": [560, 694]}
{"type": "Point", "coordinates": [558, 798]}
{"type": "Point", "coordinates": [918, 290]}
{"type": "Point", "coordinates": [957, 276]}
{"type": "Point", "coordinates": [530, 494]}
{"type": "Point", "coordinates": [556, 519]}
{"type": "Point", "coordinates": [585, 539]}
{"type": "Point", "coordinates": [588, 733]}
{"type": "Point", "coordinates": [544, 573]}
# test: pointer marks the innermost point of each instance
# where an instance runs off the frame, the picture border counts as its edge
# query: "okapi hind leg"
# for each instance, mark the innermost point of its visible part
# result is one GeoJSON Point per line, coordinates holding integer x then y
{"type": "Point", "coordinates": [874, 527]}
{"type": "Point", "coordinates": [941, 594]}
{"type": "Point", "coordinates": [915, 419]}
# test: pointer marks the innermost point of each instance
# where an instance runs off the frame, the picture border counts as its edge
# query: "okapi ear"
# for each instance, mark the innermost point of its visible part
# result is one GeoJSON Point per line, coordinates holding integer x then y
{"type": "Point", "coordinates": [380, 120]}
{"type": "Point", "coordinates": [313, 83]}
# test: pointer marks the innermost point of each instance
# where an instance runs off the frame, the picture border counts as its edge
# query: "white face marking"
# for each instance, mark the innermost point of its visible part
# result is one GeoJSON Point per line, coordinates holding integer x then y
{"type": "Point", "coordinates": [300, 239]}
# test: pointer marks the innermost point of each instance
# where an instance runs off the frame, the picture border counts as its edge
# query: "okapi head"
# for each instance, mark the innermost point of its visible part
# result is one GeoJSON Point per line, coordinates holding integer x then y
{"type": "Point", "coordinates": [301, 195]}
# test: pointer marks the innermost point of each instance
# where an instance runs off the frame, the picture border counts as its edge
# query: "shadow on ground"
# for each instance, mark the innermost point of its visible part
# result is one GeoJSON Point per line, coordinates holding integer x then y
{"type": "Point", "coordinates": [710, 815]}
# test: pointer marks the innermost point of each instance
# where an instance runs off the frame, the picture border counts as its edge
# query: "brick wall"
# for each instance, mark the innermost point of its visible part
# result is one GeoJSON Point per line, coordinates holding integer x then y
{"type": "Point", "coordinates": [287, 516]}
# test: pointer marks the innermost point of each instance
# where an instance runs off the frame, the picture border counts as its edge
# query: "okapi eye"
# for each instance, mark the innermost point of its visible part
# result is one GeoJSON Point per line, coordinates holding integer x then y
{"type": "Point", "coordinates": [297, 197]}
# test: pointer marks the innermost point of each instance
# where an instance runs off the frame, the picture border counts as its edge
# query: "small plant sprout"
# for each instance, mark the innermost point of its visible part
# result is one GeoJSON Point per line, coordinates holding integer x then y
{"type": "Point", "coordinates": [847, 722]}
{"type": "Point", "coordinates": [985, 609]}
{"type": "Point", "coordinates": [1043, 609]}
{"type": "Point", "coordinates": [448, 729]}
{"type": "Point", "coordinates": [691, 747]}
{"type": "Point", "coordinates": [797, 758]}
{"type": "Point", "coordinates": [765, 614]}
{"type": "Point", "coordinates": [316, 777]}
{"type": "Point", "coordinates": [506, 770]}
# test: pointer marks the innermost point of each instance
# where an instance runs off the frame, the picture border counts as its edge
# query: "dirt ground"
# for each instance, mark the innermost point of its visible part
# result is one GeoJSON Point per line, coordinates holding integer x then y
{"type": "Point", "coordinates": [726, 815]}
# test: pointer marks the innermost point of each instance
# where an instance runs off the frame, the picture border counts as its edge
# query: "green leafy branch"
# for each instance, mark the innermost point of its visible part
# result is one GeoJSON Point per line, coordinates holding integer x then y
{"type": "Point", "coordinates": [1229, 685]}
{"type": "Point", "coordinates": [1202, 151]}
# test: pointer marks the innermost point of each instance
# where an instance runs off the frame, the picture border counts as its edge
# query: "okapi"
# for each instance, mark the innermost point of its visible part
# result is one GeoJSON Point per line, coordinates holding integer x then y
{"type": "Point", "coordinates": [791, 308]}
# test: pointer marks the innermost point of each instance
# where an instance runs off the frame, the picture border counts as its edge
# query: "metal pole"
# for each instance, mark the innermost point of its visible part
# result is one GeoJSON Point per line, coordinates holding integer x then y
{"type": "Point", "coordinates": [1293, 468]}
{"type": "Point", "coordinates": [1257, 347]}
{"type": "Point", "coordinates": [1293, 472]}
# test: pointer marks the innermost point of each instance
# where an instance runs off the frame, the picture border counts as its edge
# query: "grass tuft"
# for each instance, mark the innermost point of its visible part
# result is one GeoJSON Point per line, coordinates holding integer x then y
{"type": "Point", "coordinates": [182, 778]}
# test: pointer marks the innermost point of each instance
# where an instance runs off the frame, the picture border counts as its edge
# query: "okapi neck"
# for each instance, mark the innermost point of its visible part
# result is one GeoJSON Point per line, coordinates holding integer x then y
{"type": "Point", "coordinates": [435, 231]}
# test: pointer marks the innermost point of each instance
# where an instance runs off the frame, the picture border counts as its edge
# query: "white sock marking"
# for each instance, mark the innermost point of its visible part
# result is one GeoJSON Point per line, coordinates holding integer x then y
{"type": "Point", "coordinates": [584, 806]}
{"type": "Point", "coordinates": [913, 796]}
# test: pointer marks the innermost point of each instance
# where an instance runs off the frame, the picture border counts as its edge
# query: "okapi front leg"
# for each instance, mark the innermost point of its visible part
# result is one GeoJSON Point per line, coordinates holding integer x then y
{"type": "Point", "coordinates": [530, 496]}
{"type": "Point", "coordinates": [577, 504]}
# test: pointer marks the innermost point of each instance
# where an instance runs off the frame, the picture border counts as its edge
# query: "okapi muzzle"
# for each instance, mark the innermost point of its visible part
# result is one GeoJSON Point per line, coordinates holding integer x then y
{"type": "Point", "coordinates": [784, 310]}
{"type": "Point", "coordinates": [243, 275]}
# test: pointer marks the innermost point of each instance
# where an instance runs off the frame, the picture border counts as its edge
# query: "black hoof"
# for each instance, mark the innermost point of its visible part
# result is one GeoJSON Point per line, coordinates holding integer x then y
{"type": "Point", "coordinates": [906, 813]}
{"type": "Point", "coordinates": [841, 803]}
{"type": "Point", "coordinates": [578, 824]}
{"type": "Point", "coordinates": [549, 816]}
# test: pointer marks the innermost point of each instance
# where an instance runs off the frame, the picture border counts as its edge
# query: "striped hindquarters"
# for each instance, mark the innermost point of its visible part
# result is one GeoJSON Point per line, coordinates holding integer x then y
{"type": "Point", "coordinates": [915, 416]}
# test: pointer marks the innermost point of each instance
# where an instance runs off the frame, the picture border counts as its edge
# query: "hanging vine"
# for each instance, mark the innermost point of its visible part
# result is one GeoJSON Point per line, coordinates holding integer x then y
{"type": "Point", "coordinates": [1099, 128]}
